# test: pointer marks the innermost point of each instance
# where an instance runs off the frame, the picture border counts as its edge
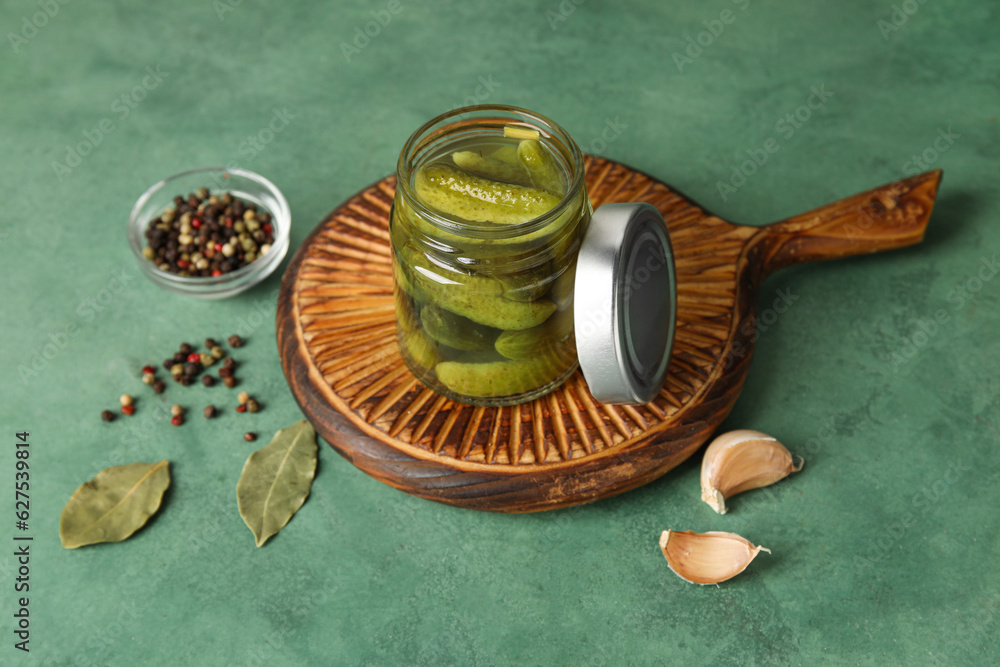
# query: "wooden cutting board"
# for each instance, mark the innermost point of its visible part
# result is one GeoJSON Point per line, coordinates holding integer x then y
{"type": "Point", "coordinates": [336, 335]}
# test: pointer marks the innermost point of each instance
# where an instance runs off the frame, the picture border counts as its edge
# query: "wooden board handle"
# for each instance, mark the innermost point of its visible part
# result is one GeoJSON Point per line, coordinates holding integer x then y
{"type": "Point", "coordinates": [891, 216]}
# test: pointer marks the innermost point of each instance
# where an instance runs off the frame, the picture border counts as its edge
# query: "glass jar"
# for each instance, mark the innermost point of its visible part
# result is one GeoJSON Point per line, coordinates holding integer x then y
{"type": "Point", "coordinates": [489, 212]}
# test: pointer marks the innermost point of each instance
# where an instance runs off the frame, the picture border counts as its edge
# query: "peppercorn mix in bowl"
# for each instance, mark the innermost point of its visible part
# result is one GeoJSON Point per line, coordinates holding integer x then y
{"type": "Point", "coordinates": [210, 233]}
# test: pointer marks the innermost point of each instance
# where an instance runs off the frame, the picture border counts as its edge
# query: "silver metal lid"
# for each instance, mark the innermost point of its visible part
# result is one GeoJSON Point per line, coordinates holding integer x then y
{"type": "Point", "coordinates": [624, 303]}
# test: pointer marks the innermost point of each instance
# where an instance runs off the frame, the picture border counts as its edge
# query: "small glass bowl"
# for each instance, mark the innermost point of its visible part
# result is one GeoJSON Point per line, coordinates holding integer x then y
{"type": "Point", "coordinates": [246, 185]}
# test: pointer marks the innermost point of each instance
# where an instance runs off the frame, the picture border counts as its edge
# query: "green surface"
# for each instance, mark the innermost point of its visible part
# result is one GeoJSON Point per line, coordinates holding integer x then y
{"type": "Point", "coordinates": [885, 548]}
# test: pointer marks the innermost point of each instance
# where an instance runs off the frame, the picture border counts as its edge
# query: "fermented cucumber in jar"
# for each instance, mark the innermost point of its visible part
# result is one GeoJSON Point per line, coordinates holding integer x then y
{"type": "Point", "coordinates": [476, 304]}
{"type": "Point", "coordinates": [527, 343]}
{"type": "Point", "coordinates": [475, 296]}
{"type": "Point", "coordinates": [459, 194]}
{"type": "Point", "coordinates": [491, 167]}
{"type": "Point", "coordinates": [456, 331]}
{"type": "Point", "coordinates": [540, 167]}
{"type": "Point", "coordinates": [501, 378]}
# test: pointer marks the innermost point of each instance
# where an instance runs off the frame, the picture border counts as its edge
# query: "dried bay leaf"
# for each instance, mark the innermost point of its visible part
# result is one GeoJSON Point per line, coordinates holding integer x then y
{"type": "Point", "coordinates": [113, 505]}
{"type": "Point", "coordinates": [276, 480]}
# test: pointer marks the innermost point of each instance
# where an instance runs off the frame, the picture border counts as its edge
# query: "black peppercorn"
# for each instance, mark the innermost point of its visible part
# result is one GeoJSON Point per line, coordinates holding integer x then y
{"type": "Point", "coordinates": [186, 349]}
{"type": "Point", "coordinates": [186, 380]}
{"type": "Point", "coordinates": [180, 358]}
{"type": "Point", "coordinates": [235, 341]}
{"type": "Point", "coordinates": [253, 405]}
{"type": "Point", "coordinates": [210, 412]}
{"type": "Point", "coordinates": [249, 437]}
{"type": "Point", "coordinates": [229, 381]}
{"type": "Point", "coordinates": [158, 387]}
{"type": "Point", "coordinates": [229, 363]}
{"type": "Point", "coordinates": [108, 416]}
{"type": "Point", "coordinates": [210, 343]}
{"type": "Point", "coordinates": [167, 363]}
{"type": "Point", "coordinates": [207, 380]}
{"type": "Point", "coordinates": [191, 368]}
{"type": "Point", "coordinates": [225, 372]}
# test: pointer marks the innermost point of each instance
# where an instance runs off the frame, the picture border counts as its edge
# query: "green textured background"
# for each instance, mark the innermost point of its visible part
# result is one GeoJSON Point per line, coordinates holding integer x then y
{"type": "Point", "coordinates": [885, 548]}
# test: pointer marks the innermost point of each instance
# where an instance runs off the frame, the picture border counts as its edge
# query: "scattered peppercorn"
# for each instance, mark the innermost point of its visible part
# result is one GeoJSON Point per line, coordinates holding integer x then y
{"type": "Point", "coordinates": [128, 409]}
{"type": "Point", "coordinates": [241, 408]}
{"type": "Point", "coordinates": [249, 436]}
{"type": "Point", "coordinates": [225, 372]}
{"type": "Point", "coordinates": [235, 341]}
{"type": "Point", "coordinates": [179, 357]}
{"type": "Point", "coordinates": [177, 420]}
{"type": "Point", "coordinates": [217, 352]}
{"type": "Point", "coordinates": [207, 380]}
{"type": "Point", "coordinates": [193, 358]}
{"type": "Point", "coordinates": [229, 363]}
{"type": "Point", "coordinates": [108, 416]}
{"type": "Point", "coordinates": [158, 387]}
{"type": "Point", "coordinates": [125, 399]}
{"type": "Point", "coordinates": [185, 349]}
{"type": "Point", "coordinates": [243, 397]}
{"type": "Point", "coordinates": [148, 369]}
{"type": "Point", "coordinates": [177, 369]}
{"type": "Point", "coordinates": [253, 406]}
{"type": "Point", "coordinates": [198, 236]}
{"type": "Point", "coordinates": [148, 378]}
{"type": "Point", "coordinates": [176, 410]}
{"type": "Point", "coordinates": [192, 368]}
{"type": "Point", "coordinates": [167, 363]}
{"type": "Point", "coordinates": [210, 343]}
{"type": "Point", "coordinates": [186, 380]}
{"type": "Point", "coordinates": [210, 412]}
{"type": "Point", "coordinates": [229, 381]}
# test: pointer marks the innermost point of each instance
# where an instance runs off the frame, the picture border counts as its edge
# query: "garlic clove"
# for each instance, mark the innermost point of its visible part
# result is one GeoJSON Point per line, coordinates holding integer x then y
{"type": "Point", "coordinates": [739, 461]}
{"type": "Point", "coordinates": [707, 558]}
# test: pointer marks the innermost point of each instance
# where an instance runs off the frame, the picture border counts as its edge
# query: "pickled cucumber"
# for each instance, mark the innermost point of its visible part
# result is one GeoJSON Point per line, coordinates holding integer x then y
{"type": "Point", "coordinates": [456, 331]}
{"type": "Point", "coordinates": [476, 299]}
{"type": "Point", "coordinates": [479, 298]}
{"type": "Point", "coordinates": [460, 194]}
{"type": "Point", "coordinates": [562, 286]}
{"type": "Point", "coordinates": [506, 153]}
{"type": "Point", "coordinates": [540, 340]}
{"type": "Point", "coordinates": [491, 167]}
{"type": "Point", "coordinates": [421, 350]}
{"type": "Point", "coordinates": [529, 284]}
{"type": "Point", "coordinates": [540, 167]}
{"type": "Point", "coordinates": [501, 378]}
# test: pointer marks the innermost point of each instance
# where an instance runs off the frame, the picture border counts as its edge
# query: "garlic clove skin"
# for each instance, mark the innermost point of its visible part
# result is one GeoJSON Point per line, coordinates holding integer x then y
{"type": "Point", "coordinates": [707, 558]}
{"type": "Point", "coordinates": [742, 460]}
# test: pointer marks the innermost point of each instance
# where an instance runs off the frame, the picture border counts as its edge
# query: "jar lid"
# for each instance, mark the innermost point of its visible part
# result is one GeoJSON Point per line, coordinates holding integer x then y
{"type": "Point", "coordinates": [625, 308]}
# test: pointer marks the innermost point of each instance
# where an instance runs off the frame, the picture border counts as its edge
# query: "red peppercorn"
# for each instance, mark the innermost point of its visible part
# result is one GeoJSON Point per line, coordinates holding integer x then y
{"type": "Point", "coordinates": [228, 222]}
{"type": "Point", "coordinates": [183, 263]}
{"type": "Point", "coordinates": [194, 358]}
{"type": "Point", "coordinates": [250, 437]}
{"type": "Point", "coordinates": [177, 420]}
{"type": "Point", "coordinates": [148, 369]}
{"type": "Point", "coordinates": [268, 229]}
{"type": "Point", "coordinates": [216, 273]}
{"type": "Point", "coordinates": [195, 223]}
{"type": "Point", "coordinates": [128, 409]}
{"type": "Point", "coordinates": [218, 247]}
{"type": "Point", "coordinates": [241, 408]}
